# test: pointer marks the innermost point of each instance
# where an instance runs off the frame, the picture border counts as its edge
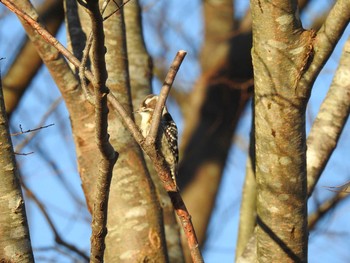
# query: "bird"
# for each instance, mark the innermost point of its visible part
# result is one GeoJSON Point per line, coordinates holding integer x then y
{"type": "Point", "coordinates": [167, 137]}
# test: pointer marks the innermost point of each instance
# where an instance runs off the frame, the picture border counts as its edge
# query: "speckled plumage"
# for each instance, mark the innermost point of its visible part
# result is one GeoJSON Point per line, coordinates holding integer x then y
{"type": "Point", "coordinates": [167, 134]}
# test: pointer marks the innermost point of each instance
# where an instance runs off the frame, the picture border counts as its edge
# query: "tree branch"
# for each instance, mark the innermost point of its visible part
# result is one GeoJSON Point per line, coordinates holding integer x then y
{"type": "Point", "coordinates": [330, 121]}
{"type": "Point", "coordinates": [109, 156]}
{"type": "Point", "coordinates": [325, 41]}
{"type": "Point", "coordinates": [46, 36]}
{"type": "Point", "coordinates": [326, 207]}
{"type": "Point", "coordinates": [168, 82]}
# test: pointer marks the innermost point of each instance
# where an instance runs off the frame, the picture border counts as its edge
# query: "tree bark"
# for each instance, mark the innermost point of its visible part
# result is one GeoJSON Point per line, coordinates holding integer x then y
{"type": "Point", "coordinates": [14, 239]}
{"type": "Point", "coordinates": [280, 52]}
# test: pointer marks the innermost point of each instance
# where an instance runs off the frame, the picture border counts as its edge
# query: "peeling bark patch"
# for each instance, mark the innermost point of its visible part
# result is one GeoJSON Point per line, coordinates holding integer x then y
{"type": "Point", "coordinates": [260, 7]}
{"type": "Point", "coordinates": [18, 206]}
{"type": "Point", "coordinates": [263, 168]}
{"type": "Point", "coordinates": [141, 227]}
{"type": "Point", "coordinates": [274, 209]}
{"type": "Point", "coordinates": [284, 21]}
{"type": "Point", "coordinates": [277, 44]}
{"type": "Point", "coordinates": [8, 167]}
{"type": "Point", "coordinates": [283, 197]}
{"type": "Point", "coordinates": [130, 254]}
{"type": "Point", "coordinates": [285, 160]}
{"type": "Point", "coordinates": [136, 212]}
{"type": "Point", "coordinates": [297, 51]}
{"type": "Point", "coordinates": [154, 238]}
{"type": "Point", "coordinates": [80, 141]}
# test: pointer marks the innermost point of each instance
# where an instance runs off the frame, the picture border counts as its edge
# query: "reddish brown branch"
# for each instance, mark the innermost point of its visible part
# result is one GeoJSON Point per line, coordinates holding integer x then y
{"type": "Point", "coordinates": [46, 36]}
{"type": "Point", "coordinates": [160, 165]}
{"type": "Point", "coordinates": [168, 82]}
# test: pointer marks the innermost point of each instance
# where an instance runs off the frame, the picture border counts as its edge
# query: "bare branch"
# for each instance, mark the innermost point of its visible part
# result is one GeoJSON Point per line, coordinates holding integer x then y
{"type": "Point", "coordinates": [169, 79]}
{"type": "Point", "coordinates": [128, 121]}
{"type": "Point", "coordinates": [54, 105]}
{"type": "Point", "coordinates": [330, 121]}
{"type": "Point", "coordinates": [31, 130]}
{"type": "Point", "coordinates": [23, 154]}
{"type": "Point", "coordinates": [82, 69]}
{"type": "Point", "coordinates": [326, 207]}
{"type": "Point", "coordinates": [116, 10]}
{"type": "Point", "coordinates": [46, 36]}
{"type": "Point", "coordinates": [165, 176]}
{"type": "Point", "coordinates": [325, 42]}
{"type": "Point", "coordinates": [109, 156]}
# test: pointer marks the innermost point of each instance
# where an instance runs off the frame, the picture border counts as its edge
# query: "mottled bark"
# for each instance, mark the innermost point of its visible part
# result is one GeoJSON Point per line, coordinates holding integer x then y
{"type": "Point", "coordinates": [14, 239]}
{"type": "Point", "coordinates": [330, 121]}
{"type": "Point", "coordinates": [139, 235]}
{"type": "Point", "coordinates": [140, 71]}
{"type": "Point", "coordinates": [280, 53]}
{"type": "Point", "coordinates": [315, 53]}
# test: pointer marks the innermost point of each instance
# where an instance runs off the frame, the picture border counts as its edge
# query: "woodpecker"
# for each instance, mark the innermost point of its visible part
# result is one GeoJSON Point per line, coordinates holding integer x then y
{"type": "Point", "coordinates": [167, 133]}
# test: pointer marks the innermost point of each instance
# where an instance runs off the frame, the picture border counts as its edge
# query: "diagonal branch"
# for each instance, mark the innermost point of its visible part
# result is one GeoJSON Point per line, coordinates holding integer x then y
{"type": "Point", "coordinates": [326, 207]}
{"type": "Point", "coordinates": [168, 82]}
{"type": "Point", "coordinates": [325, 41]}
{"type": "Point", "coordinates": [330, 121]}
{"type": "Point", "coordinates": [46, 36]}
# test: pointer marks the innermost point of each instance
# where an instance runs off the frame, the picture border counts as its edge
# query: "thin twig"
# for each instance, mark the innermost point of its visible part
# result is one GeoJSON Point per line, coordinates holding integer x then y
{"type": "Point", "coordinates": [325, 208]}
{"type": "Point", "coordinates": [53, 107]}
{"type": "Point", "coordinates": [31, 130]}
{"type": "Point", "coordinates": [82, 69]}
{"type": "Point", "coordinates": [168, 82]}
{"type": "Point", "coordinates": [115, 11]}
{"type": "Point", "coordinates": [23, 154]}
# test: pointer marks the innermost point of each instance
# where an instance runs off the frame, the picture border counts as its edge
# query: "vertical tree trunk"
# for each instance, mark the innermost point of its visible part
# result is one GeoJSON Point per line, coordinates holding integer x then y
{"type": "Point", "coordinates": [14, 233]}
{"type": "Point", "coordinates": [280, 53]}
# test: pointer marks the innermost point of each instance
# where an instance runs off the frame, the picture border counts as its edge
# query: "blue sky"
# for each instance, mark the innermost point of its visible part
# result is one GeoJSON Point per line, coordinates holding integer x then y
{"type": "Point", "coordinates": [183, 30]}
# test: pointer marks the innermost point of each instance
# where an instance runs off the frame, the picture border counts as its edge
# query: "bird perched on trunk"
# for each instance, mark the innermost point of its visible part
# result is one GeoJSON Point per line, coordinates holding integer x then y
{"type": "Point", "coordinates": [167, 132]}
